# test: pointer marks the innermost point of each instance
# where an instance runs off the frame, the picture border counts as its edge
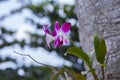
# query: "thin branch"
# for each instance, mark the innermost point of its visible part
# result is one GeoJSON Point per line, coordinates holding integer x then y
{"type": "Point", "coordinates": [34, 59]}
{"type": "Point", "coordinates": [111, 35]}
{"type": "Point", "coordinates": [114, 51]}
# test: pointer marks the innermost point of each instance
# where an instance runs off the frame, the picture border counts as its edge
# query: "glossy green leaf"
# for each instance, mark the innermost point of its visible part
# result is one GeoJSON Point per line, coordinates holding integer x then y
{"type": "Point", "coordinates": [80, 54]}
{"type": "Point", "coordinates": [101, 52]}
{"type": "Point", "coordinates": [96, 43]}
{"type": "Point", "coordinates": [100, 49]}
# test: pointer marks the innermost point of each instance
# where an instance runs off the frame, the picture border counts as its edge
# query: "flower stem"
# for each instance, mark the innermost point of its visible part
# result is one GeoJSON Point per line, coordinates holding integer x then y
{"type": "Point", "coordinates": [94, 74]}
{"type": "Point", "coordinates": [103, 73]}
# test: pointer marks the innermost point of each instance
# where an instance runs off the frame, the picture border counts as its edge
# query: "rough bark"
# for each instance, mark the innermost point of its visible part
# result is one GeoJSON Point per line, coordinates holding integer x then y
{"type": "Point", "coordinates": [101, 17]}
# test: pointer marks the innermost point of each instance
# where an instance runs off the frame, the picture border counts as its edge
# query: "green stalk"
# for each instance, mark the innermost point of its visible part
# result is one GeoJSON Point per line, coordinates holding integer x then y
{"type": "Point", "coordinates": [94, 74]}
{"type": "Point", "coordinates": [103, 73]}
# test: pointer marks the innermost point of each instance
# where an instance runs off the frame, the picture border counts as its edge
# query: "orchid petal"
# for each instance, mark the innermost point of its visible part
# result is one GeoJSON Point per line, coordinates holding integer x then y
{"type": "Point", "coordinates": [60, 43]}
{"type": "Point", "coordinates": [57, 27]}
{"type": "Point", "coordinates": [65, 27]}
{"type": "Point", "coordinates": [57, 42]}
{"type": "Point", "coordinates": [65, 41]}
{"type": "Point", "coordinates": [45, 29]}
{"type": "Point", "coordinates": [49, 39]}
{"type": "Point", "coordinates": [54, 33]}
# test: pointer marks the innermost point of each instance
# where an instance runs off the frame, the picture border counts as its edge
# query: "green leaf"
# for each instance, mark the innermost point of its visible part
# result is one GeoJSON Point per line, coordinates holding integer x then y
{"type": "Point", "coordinates": [96, 43]}
{"type": "Point", "coordinates": [100, 49]}
{"type": "Point", "coordinates": [80, 54]}
{"type": "Point", "coordinates": [79, 76]}
{"type": "Point", "coordinates": [101, 52]}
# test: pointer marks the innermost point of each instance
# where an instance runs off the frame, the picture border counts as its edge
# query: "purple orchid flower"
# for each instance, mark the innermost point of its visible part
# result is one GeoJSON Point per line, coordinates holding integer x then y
{"type": "Point", "coordinates": [58, 35]}
{"type": "Point", "coordinates": [48, 37]}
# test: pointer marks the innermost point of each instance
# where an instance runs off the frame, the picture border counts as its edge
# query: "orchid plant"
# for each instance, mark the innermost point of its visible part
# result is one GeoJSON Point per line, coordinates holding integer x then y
{"type": "Point", "coordinates": [59, 37]}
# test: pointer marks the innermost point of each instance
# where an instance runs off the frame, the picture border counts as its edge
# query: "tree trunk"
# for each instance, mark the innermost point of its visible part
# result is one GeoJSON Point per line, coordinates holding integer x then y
{"type": "Point", "coordinates": [103, 18]}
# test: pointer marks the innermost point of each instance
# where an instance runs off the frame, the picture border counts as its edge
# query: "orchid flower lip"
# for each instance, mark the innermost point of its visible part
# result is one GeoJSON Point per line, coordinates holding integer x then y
{"type": "Point", "coordinates": [49, 39]}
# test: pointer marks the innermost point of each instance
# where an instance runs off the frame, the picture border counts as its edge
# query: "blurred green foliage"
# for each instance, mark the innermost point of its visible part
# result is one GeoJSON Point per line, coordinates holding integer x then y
{"type": "Point", "coordinates": [31, 73]}
{"type": "Point", "coordinates": [41, 10]}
